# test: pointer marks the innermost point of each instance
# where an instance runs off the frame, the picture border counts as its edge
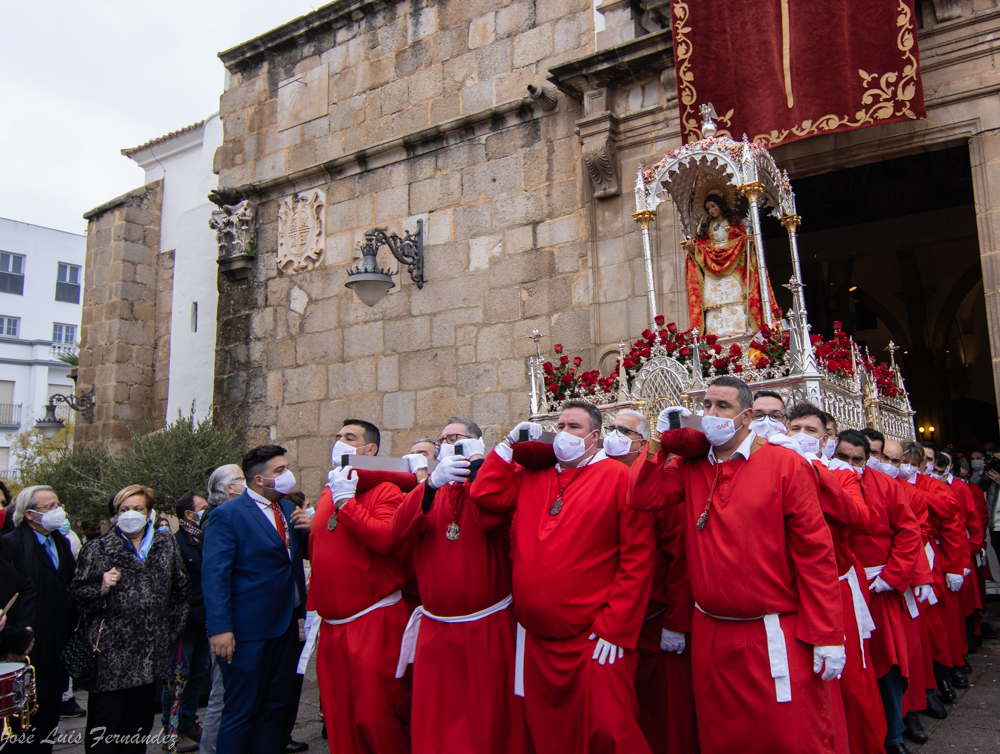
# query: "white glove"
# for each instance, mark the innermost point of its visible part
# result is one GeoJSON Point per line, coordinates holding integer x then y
{"type": "Point", "coordinates": [663, 421]}
{"type": "Point", "coordinates": [923, 592]}
{"type": "Point", "coordinates": [605, 651]}
{"type": "Point", "coordinates": [451, 469]}
{"type": "Point", "coordinates": [967, 572]}
{"type": "Point", "coordinates": [342, 484]}
{"type": "Point", "coordinates": [836, 465]}
{"type": "Point", "coordinates": [878, 585]}
{"type": "Point", "coordinates": [835, 659]}
{"type": "Point", "coordinates": [954, 581]}
{"type": "Point", "coordinates": [671, 641]}
{"type": "Point", "coordinates": [416, 462]}
{"type": "Point", "coordinates": [534, 431]}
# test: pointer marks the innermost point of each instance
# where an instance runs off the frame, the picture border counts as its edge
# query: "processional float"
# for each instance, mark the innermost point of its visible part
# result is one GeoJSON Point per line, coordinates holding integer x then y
{"type": "Point", "coordinates": [668, 370]}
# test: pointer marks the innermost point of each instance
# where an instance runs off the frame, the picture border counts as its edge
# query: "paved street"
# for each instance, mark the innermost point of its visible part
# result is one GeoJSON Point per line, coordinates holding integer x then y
{"type": "Point", "coordinates": [972, 726]}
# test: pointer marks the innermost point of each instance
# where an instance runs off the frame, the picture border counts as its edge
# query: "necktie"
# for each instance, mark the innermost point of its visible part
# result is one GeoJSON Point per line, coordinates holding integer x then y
{"type": "Point", "coordinates": [50, 548]}
{"type": "Point", "coordinates": [279, 521]}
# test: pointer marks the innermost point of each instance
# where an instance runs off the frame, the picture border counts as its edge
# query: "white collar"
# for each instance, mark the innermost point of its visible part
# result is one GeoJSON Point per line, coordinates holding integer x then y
{"type": "Point", "coordinates": [600, 455]}
{"type": "Point", "coordinates": [260, 500]}
{"type": "Point", "coordinates": [742, 450]}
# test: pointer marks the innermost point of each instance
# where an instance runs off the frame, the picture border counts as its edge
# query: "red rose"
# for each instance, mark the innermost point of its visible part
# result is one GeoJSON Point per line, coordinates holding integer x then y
{"type": "Point", "coordinates": [577, 361]}
{"type": "Point", "coordinates": [679, 339]}
{"type": "Point", "coordinates": [670, 346]}
{"type": "Point", "coordinates": [765, 330]}
{"type": "Point", "coordinates": [762, 362]}
{"type": "Point", "coordinates": [659, 319]}
{"type": "Point", "coordinates": [645, 353]}
{"type": "Point", "coordinates": [710, 339]}
{"type": "Point", "coordinates": [548, 368]}
{"type": "Point", "coordinates": [704, 356]}
{"type": "Point", "coordinates": [685, 351]}
{"type": "Point", "coordinates": [567, 379]}
{"type": "Point", "coordinates": [737, 368]}
{"type": "Point", "coordinates": [717, 348]}
{"type": "Point", "coordinates": [648, 334]}
{"type": "Point", "coordinates": [719, 363]}
{"type": "Point", "coordinates": [672, 327]}
{"type": "Point", "coordinates": [564, 359]}
{"type": "Point", "coordinates": [838, 325]}
{"type": "Point", "coordinates": [557, 348]}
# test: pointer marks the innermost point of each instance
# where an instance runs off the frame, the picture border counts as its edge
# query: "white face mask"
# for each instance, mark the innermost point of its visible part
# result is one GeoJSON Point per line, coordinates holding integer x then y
{"type": "Point", "coordinates": [806, 442]}
{"type": "Point", "coordinates": [617, 445]}
{"type": "Point", "coordinates": [284, 482]}
{"type": "Point", "coordinates": [889, 469]}
{"type": "Point", "coordinates": [766, 426]}
{"type": "Point", "coordinates": [131, 521]}
{"type": "Point", "coordinates": [718, 429]}
{"type": "Point", "coordinates": [872, 461]}
{"type": "Point", "coordinates": [859, 470]}
{"type": "Point", "coordinates": [830, 448]}
{"type": "Point", "coordinates": [53, 519]}
{"type": "Point", "coordinates": [906, 471]}
{"type": "Point", "coordinates": [341, 449]}
{"type": "Point", "coordinates": [569, 447]}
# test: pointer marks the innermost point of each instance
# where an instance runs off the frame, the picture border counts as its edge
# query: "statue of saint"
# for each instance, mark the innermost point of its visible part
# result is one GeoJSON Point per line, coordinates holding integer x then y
{"type": "Point", "coordinates": [722, 275]}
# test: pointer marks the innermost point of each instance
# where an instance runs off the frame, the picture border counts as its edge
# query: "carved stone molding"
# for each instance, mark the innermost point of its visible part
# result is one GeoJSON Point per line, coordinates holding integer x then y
{"type": "Point", "coordinates": [235, 227]}
{"type": "Point", "coordinates": [947, 10]}
{"type": "Point", "coordinates": [301, 231]}
{"type": "Point", "coordinates": [598, 131]}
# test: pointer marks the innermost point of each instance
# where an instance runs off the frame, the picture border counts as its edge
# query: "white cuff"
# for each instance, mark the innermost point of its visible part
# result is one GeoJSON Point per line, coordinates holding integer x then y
{"type": "Point", "coordinates": [504, 451]}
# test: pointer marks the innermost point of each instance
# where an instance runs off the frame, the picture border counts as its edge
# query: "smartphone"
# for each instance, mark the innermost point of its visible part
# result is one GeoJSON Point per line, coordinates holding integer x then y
{"type": "Point", "coordinates": [459, 450]}
{"type": "Point", "coordinates": [523, 435]}
{"type": "Point", "coordinates": [345, 460]}
{"type": "Point", "coordinates": [675, 420]}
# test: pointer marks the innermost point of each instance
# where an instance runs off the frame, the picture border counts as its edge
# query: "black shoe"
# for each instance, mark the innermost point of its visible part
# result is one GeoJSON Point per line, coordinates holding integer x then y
{"type": "Point", "coordinates": [293, 747]}
{"type": "Point", "coordinates": [959, 679]}
{"type": "Point", "coordinates": [988, 633]}
{"type": "Point", "coordinates": [896, 749]}
{"type": "Point", "coordinates": [966, 668]}
{"type": "Point", "coordinates": [934, 708]}
{"type": "Point", "coordinates": [948, 694]}
{"type": "Point", "coordinates": [70, 708]}
{"type": "Point", "coordinates": [913, 728]}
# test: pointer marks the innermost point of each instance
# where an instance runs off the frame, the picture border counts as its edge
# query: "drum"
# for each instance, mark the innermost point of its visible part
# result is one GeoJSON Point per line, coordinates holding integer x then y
{"type": "Point", "coordinates": [17, 692]}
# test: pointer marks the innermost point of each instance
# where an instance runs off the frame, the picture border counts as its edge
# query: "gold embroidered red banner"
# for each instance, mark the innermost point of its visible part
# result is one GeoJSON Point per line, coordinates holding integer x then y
{"type": "Point", "coordinates": [782, 70]}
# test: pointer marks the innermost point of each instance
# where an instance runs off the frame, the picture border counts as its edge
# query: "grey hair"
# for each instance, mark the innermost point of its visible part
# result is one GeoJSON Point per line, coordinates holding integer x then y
{"type": "Point", "coordinates": [222, 476]}
{"type": "Point", "coordinates": [25, 500]}
{"type": "Point", "coordinates": [470, 426]}
{"type": "Point", "coordinates": [643, 421]}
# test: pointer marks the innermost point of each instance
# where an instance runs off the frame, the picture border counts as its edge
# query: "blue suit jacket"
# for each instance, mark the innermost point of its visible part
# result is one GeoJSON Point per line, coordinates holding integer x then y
{"type": "Point", "coordinates": [247, 578]}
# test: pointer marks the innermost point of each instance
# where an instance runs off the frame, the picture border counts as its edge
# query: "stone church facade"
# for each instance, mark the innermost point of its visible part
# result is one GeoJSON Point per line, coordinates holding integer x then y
{"type": "Point", "coordinates": [512, 131]}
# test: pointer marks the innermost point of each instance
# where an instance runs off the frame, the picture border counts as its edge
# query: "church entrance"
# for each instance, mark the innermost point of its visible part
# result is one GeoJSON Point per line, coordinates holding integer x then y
{"type": "Point", "coordinates": [890, 249]}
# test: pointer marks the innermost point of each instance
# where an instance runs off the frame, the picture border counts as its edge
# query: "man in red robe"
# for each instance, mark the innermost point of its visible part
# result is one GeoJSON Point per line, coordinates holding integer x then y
{"type": "Point", "coordinates": [889, 557]}
{"type": "Point", "coordinates": [461, 639]}
{"type": "Point", "coordinates": [583, 563]}
{"type": "Point", "coordinates": [768, 619]}
{"type": "Point", "coordinates": [846, 512]}
{"type": "Point", "coordinates": [355, 588]}
{"type": "Point", "coordinates": [663, 682]}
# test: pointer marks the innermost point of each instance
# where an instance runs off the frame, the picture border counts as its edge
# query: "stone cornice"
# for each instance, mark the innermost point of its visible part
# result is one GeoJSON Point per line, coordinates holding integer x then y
{"type": "Point", "coordinates": [630, 62]}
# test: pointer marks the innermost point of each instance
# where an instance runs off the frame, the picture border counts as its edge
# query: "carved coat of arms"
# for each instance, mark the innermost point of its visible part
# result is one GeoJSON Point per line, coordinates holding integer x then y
{"type": "Point", "coordinates": [301, 231]}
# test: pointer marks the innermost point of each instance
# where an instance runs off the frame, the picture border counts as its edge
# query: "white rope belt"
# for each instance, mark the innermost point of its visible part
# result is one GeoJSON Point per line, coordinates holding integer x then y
{"type": "Point", "coordinates": [929, 551]}
{"type": "Point", "coordinates": [862, 615]}
{"type": "Point", "coordinates": [777, 652]}
{"type": "Point", "coordinates": [911, 601]}
{"type": "Point", "coordinates": [408, 647]}
{"type": "Point", "coordinates": [313, 623]}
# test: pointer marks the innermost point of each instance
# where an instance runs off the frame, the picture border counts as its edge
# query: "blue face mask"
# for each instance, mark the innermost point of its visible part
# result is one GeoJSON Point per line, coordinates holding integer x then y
{"type": "Point", "coordinates": [64, 529]}
{"type": "Point", "coordinates": [198, 514]}
{"type": "Point", "coordinates": [165, 528]}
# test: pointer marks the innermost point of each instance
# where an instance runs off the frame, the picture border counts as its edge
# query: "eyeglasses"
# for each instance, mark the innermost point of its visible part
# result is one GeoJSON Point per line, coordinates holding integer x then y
{"type": "Point", "coordinates": [776, 415]}
{"type": "Point", "coordinates": [53, 507]}
{"type": "Point", "coordinates": [451, 439]}
{"type": "Point", "coordinates": [625, 431]}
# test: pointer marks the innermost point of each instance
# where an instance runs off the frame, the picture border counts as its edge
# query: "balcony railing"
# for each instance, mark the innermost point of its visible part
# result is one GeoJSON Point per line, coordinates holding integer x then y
{"type": "Point", "coordinates": [58, 350]}
{"type": "Point", "coordinates": [10, 414]}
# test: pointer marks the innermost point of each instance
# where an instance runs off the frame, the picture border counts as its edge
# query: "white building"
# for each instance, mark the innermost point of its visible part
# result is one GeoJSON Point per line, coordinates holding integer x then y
{"type": "Point", "coordinates": [183, 160]}
{"type": "Point", "coordinates": [41, 284]}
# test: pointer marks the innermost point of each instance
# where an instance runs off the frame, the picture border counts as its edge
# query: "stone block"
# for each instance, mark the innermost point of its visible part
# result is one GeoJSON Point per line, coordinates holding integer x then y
{"type": "Point", "coordinates": [443, 325]}
{"type": "Point", "coordinates": [521, 208]}
{"type": "Point", "coordinates": [510, 141]}
{"type": "Point", "coordinates": [445, 108]}
{"type": "Point", "coordinates": [512, 374]}
{"type": "Point", "coordinates": [477, 97]}
{"type": "Point", "coordinates": [393, 97]}
{"type": "Point", "coordinates": [319, 348]}
{"type": "Point", "coordinates": [532, 45]}
{"type": "Point", "coordinates": [423, 369]}
{"type": "Point", "coordinates": [431, 194]}
{"type": "Point", "coordinates": [269, 167]}
{"type": "Point", "coordinates": [494, 342]}
{"type": "Point", "coordinates": [274, 393]}
{"type": "Point", "coordinates": [522, 268]}
{"type": "Point", "coordinates": [415, 118]}
{"type": "Point", "coordinates": [547, 296]}
{"type": "Point", "coordinates": [503, 305]}
{"type": "Point", "coordinates": [490, 179]}
{"type": "Point", "coordinates": [461, 156]}
{"type": "Point", "coordinates": [490, 409]}
{"type": "Point", "coordinates": [302, 157]}
{"type": "Point", "coordinates": [468, 294]}
{"type": "Point", "coordinates": [482, 31]}
{"type": "Point", "coordinates": [363, 340]}
{"type": "Point", "coordinates": [571, 32]}
{"type": "Point", "coordinates": [359, 376]}
{"type": "Point", "coordinates": [374, 73]}
{"type": "Point", "coordinates": [568, 257]}
{"type": "Point", "coordinates": [391, 203]}
{"type": "Point", "coordinates": [494, 60]}
{"type": "Point", "coordinates": [331, 417]}
{"type": "Point", "coordinates": [446, 261]}
{"type": "Point", "coordinates": [388, 374]}
{"type": "Point", "coordinates": [561, 230]}
{"type": "Point", "coordinates": [300, 420]}
{"type": "Point", "coordinates": [436, 405]}
{"type": "Point", "coordinates": [426, 84]}
{"type": "Point", "coordinates": [514, 85]}
{"type": "Point", "coordinates": [304, 383]}
{"type": "Point", "coordinates": [421, 23]}
{"type": "Point", "coordinates": [483, 250]}
{"type": "Point", "coordinates": [440, 227]}
{"type": "Point", "coordinates": [523, 345]}
{"type": "Point", "coordinates": [513, 19]}
{"type": "Point", "coordinates": [398, 410]}
{"type": "Point", "coordinates": [407, 334]}
{"type": "Point", "coordinates": [475, 379]}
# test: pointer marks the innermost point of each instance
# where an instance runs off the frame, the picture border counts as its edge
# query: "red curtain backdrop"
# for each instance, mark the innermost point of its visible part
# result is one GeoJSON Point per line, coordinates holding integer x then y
{"type": "Point", "coordinates": [782, 70]}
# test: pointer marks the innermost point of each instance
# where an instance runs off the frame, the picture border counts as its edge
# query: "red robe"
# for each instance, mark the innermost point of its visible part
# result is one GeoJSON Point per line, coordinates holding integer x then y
{"type": "Point", "coordinates": [365, 708]}
{"type": "Point", "coordinates": [968, 595]}
{"type": "Point", "coordinates": [846, 512]}
{"type": "Point", "coordinates": [982, 571]}
{"type": "Point", "coordinates": [463, 673]}
{"type": "Point", "coordinates": [764, 550]}
{"type": "Point", "coordinates": [664, 681]}
{"type": "Point", "coordinates": [586, 570]}
{"type": "Point", "coordinates": [894, 545]}
{"type": "Point", "coordinates": [951, 548]}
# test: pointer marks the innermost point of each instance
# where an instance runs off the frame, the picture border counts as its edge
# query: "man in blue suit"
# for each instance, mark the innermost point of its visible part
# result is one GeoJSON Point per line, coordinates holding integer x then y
{"type": "Point", "coordinates": [252, 581]}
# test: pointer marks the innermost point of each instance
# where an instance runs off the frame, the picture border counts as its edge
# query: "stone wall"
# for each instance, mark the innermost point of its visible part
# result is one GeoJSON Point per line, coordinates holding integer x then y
{"type": "Point", "coordinates": [123, 283]}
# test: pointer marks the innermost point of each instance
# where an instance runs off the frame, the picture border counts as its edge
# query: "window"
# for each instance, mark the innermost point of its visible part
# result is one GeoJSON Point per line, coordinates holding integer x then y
{"type": "Point", "coordinates": [10, 326]}
{"type": "Point", "coordinates": [11, 273]}
{"type": "Point", "coordinates": [68, 284]}
{"type": "Point", "coordinates": [63, 333]}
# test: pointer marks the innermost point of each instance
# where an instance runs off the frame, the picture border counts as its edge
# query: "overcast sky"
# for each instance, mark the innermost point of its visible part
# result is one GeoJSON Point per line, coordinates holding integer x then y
{"type": "Point", "coordinates": [86, 80]}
